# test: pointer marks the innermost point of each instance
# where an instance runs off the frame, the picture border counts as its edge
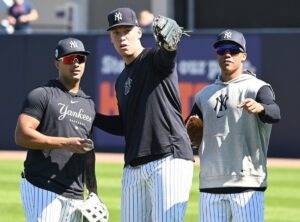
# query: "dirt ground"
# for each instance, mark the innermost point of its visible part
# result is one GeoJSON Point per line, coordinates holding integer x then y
{"type": "Point", "coordinates": [118, 158]}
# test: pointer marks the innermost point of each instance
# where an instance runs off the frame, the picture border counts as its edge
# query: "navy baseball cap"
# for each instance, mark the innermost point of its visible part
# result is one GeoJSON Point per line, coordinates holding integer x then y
{"type": "Point", "coordinates": [122, 16]}
{"type": "Point", "coordinates": [230, 35]}
{"type": "Point", "coordinates": [69, 46]}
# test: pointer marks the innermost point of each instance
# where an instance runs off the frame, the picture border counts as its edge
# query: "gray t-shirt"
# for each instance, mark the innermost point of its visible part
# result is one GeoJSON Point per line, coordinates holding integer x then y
{"type": "Point", "coordinates": [64, 114]}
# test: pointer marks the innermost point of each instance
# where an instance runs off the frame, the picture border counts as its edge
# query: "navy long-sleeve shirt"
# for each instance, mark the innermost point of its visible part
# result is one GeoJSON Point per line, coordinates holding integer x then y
{"type": "Point", "coordinates": [150, 109]}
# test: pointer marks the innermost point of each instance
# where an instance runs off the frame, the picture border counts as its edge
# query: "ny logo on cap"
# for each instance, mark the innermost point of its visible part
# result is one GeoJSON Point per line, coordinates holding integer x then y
{"type": "Point", "coordinates": [227, 35]}
{"type": "Point", "coordinates": [118, 16]}
{"type": "Point", "coordinates": [73, 44]}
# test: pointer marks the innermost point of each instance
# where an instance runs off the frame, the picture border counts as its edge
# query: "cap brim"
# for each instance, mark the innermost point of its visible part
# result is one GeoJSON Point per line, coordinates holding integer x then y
{"type": "Point", "coordinates": [119, 24]}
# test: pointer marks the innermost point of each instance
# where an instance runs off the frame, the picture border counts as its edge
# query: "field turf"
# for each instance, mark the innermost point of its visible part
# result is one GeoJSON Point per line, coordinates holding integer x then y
{"type": "Point", "coordinates": [282, 198]}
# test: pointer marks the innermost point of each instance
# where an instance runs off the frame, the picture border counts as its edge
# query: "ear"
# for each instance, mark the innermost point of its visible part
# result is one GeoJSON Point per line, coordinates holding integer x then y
{"type": "Point", "coordinates": [244, 57]}
{"type": "Point", "coordinates": [110, 37]}
{"type": "Point", "coordinates": [140, 32]}
{"type": "Point", "coordinates": [56, 64]}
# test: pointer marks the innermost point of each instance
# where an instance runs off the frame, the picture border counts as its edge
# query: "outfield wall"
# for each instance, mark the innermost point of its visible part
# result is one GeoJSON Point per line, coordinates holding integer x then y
{"type": "Point", "coordinates": [27, 62]}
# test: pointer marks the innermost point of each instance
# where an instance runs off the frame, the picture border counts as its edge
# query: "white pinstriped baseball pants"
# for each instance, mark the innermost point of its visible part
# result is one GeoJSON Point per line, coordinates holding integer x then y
{"type": "Point", "coordinates": [238, 207]}
{"type": "Point", "coordinates": [157, 191]}
{"type": "Point", "coordinates": [44, 206]}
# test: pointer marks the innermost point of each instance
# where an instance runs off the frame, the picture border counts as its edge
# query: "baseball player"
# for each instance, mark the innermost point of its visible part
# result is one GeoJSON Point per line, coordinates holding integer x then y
{"type": "Point", "coordinates": [55, 125]}
{"type": "Point", "coordinates": [237, 112]}
{"type": "Point", "coordinates": [158, 170]}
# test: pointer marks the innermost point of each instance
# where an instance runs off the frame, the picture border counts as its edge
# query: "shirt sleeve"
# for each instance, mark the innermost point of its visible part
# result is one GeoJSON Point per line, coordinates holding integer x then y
{"type": "Point", "coordinates": [195, 111]}
{"type": "Point", "coordinates": [35, 103]}
{"type": "Point", "coordinates": [111, 124]}
{"type": "Point", "coordinates": [271, 114]}
{"type": "Point", "coordinates": [164, 61]}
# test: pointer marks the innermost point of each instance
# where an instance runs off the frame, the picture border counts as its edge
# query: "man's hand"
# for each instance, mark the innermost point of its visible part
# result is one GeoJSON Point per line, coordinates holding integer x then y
{"type": "Point", "coordinates": [11, 20]}
{"type": "Point", "coordinates": [251, 106]}
{"type": "Point", "coordinates": [78, 145]}
{"type": "Point", "coordinates": [24, 18]}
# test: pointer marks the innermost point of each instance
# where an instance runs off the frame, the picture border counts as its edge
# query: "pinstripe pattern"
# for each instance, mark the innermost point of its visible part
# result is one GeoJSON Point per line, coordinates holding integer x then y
{"type": "Point", "coordinates": [238, 207]}
{"type": "Point", "coordinates": [157, 191]}
{"type": "Point", "coordinates": [45, 206]}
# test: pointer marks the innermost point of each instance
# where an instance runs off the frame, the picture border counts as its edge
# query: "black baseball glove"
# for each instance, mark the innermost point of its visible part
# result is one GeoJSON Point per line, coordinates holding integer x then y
{"type": "Point", "coordinates": [167, 32]}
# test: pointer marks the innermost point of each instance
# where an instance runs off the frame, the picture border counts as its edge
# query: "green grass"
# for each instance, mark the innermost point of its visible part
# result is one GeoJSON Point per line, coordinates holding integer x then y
{"type": "Point", "coordinates": [282, 197]}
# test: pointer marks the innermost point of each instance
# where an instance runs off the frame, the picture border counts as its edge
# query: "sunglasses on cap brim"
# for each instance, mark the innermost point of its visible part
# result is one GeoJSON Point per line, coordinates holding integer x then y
{"type": "Point", "coordinates": [74, 58]}
{"type": "Point", "coordinates": [229, 48]}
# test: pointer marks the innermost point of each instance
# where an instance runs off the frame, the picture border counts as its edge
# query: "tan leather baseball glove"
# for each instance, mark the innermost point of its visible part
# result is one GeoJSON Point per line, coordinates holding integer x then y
{"type": "Point", "coordinates": [194, 127]}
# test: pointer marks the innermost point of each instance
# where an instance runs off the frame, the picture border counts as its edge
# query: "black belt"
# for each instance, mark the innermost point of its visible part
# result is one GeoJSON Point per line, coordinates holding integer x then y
{"type": "Point", "coordinates": [146, 159]}
{"type": "Point", "coordinates": [229, 190]}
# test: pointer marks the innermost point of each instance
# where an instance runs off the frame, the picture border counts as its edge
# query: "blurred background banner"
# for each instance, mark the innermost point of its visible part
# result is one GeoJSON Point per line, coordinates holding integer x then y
{"type": "Point", "coordinates": [27, 60]}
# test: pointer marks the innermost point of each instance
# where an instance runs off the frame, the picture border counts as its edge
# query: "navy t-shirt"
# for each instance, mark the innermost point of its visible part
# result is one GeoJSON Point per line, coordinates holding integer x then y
{"type": "Point", "coordinates": [61, 113]}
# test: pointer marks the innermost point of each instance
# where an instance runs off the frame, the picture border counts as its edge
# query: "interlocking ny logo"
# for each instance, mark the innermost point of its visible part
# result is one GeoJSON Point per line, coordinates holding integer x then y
{"type": "Point", "coordinates": [127, 86]}
{"type": "Point", "coordinates": [73, 44]}
{"type": "Point", "coordinates": [221, 104]}
{"type": "Point", "coordinates": [227, 35]}
{"type": "Point", "coordinates": [118, 16]}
